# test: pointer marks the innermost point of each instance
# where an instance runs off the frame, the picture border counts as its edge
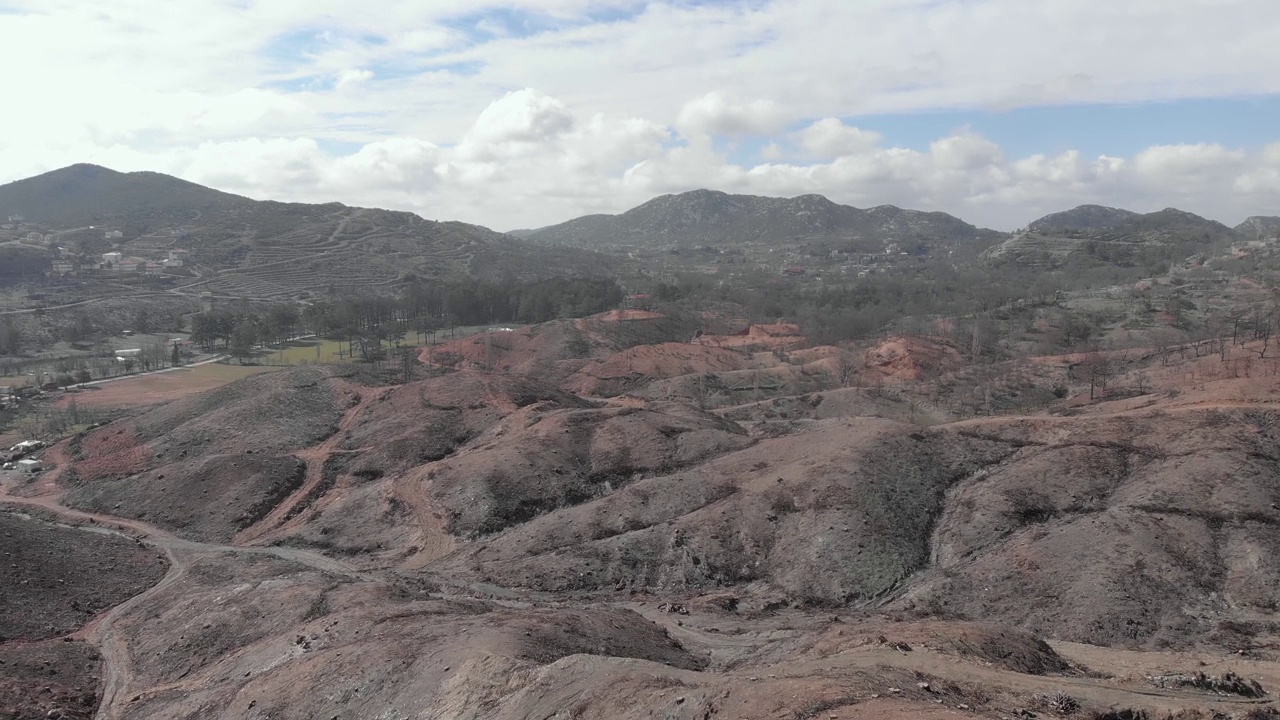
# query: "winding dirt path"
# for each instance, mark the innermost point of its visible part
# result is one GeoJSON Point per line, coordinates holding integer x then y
{"type": "Point", "coordinates": [1125, 686]}
{"type": "Point", "coordinates": [118, 677]}
{"type": "Point", "coordinates": [280, 517]}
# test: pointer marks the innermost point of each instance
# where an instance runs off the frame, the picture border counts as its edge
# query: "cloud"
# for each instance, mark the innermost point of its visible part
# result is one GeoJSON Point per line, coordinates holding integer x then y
{"type": "Point", "coordinates": [717, 113]}
{"type": "Point", "coordinates": [350, 78]}
{"type": "Point", "coordinates": [634, 97]}
{"type": "Point", "coordinates": [830, 137]}
{"type": "Point", "coordinates": [515, 125]}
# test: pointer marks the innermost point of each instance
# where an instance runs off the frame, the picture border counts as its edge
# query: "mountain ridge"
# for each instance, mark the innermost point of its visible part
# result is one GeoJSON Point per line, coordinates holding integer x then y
{"type": "Point", "coordinates": [714, 217]}
{"type": "Point", "coordinates": [268, 249]}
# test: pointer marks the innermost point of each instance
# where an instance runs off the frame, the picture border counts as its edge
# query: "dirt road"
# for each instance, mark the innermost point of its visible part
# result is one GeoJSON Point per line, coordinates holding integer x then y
{"type": "Point", "coordinates": [315, 459]}
{"type": "Point", "coordinates": [118, 675]}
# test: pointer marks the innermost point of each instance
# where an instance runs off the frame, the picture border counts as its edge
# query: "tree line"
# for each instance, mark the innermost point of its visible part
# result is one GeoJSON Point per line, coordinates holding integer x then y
{"type": "Point", "coordinates": [368, 323]}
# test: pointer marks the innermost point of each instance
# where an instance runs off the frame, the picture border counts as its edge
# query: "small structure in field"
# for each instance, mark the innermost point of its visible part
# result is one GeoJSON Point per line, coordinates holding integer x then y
{"type": "Point", "coordinates": [30, 465]}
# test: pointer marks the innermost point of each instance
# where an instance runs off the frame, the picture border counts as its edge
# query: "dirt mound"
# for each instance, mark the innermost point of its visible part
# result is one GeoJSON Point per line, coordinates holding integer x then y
{"type": "Point", "coordinates": [553, 350]}
{"type": "Point", "coordinates": [838, 513]}
{"type": "Point", "coordinates": [55, 579]}
{"type": "Point", "coordinates": [634, 367]}
{"type": "Point", "coordinates": [793, 374]}
{"type": "Point", "coordinates": [242, 634]}
{"type": "Point", "coordinates": [208, 498]}
{"type": "Point", "coordinates": [776, 336]}
{"type": "Point", "coordinates": [906, 358]}
{"type": "Point", "coordinates": [841, 403]}
{"type": "Point", "coordinates": [427, 421]}
{"type": "Point", "coordinates": [627, 316]}
{"type": "Point", "coordinates": [514, 451]}
{"type": "Point", "coordinates": [1002, 646]}
{"type": "Point", "coordinates": [50, 679]}
{"type": "Point", "coordinates": [544, 461]}
{"type": "Point", "coordinates": [1141, 530]}
{"type": "Point", "coordinates": [270, 413]}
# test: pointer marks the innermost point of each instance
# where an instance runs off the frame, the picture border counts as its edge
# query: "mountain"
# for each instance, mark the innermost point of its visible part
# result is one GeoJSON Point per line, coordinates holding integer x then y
{"type": "Point", "coordinates": [710, 217]}
{"type": "Point", "coordinates": [265, 249]}
{"type": "Point", "coordinates": [1082, 218]}
{"type": "Point", "coordinates": [82, 195]}
{"type": "Point", "coordinates": [1259, 227]}
{"type": "Point", "coordinates": [1092, 234]}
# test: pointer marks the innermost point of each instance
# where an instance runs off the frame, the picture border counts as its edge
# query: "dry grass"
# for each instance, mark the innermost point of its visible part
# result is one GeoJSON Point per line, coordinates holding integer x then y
{"type": "Point", "coordinates": [160, 387]}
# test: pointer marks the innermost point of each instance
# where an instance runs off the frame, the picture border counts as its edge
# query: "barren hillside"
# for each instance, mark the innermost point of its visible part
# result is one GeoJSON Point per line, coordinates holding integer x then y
{"type": "Point", "coordinates": [575, 537]}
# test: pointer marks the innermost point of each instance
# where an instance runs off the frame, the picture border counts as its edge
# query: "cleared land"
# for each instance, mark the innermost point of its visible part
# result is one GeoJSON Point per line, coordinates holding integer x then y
{"type": "Point", "coordinates": [602, 536]}
{"type": "Point", "coordinates": [50, 679]}
{"type": "Point", "coordinates": [159, 388]}
{"type": "Point", "coordinates": [56, 579]}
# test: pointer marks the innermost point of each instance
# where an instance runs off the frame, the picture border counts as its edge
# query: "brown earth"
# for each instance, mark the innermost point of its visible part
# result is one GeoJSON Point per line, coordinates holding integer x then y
{"type": "Point", "coordinates": [504, 545]}
{"type": "Point", "coordinates": [910, 358]}
{"type": "Point", "coordinates": [56, 579]}
{"type": "Point", "coordinates": [755, 338]}
{"type": "Point", "coordinates": [49, 679]}
{"type": "Point", "coordinates": [158, 388]}
{"type": "Point", "coordinates": [554, 350]}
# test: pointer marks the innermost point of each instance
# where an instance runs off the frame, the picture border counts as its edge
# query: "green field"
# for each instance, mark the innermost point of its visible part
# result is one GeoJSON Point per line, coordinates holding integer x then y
{"type": "Point", "coordinates": [304, 352]}
{"type": "Point", "coordinates": [323, 350]}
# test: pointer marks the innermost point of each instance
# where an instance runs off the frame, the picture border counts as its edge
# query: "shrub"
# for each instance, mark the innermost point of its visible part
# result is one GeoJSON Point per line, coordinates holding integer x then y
{"type": "Point", "coordinates": [1029, 506]}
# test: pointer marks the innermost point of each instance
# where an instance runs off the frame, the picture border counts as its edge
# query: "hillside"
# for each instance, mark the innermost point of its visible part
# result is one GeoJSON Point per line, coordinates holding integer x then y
{"type": "Point", "coordinates": [1259, 227]}
{"type": "Point", "coordinates": [717, 218]}
{"type": "Point", "coordinates": [595, 519]}
{"type": "Point", "coordinates": [82, 195]}
{"type": "Point", "coordinates": [507, 480]}
{"type": "Point", "coordinates": [1082, 218]}
{"type": "Point", "coordinates": [266, 249]}
{"type": "Point", "coordinates": [1094, 235]}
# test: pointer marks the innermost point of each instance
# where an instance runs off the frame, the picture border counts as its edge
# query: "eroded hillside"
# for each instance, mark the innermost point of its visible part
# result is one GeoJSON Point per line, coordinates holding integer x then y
{"type": "Point", "coordinates": [567, 521]}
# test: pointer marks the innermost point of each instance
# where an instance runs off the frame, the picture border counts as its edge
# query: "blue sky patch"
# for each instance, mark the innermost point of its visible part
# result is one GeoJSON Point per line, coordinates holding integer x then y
{"type": "Point", "coordinates": [1117, 130]}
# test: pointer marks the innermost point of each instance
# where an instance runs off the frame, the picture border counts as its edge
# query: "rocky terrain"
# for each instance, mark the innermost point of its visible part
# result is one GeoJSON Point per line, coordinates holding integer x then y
{"type": "Point", "coordinates": [592, 519]}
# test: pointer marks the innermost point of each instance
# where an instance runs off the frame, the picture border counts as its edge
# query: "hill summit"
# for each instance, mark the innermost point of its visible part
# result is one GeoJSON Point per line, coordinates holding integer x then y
{"type": "Point", "coordinates": [713, 217]}
{"type": "Point", "coordinates": [1092, 234]}
{"type": "Point", "coordinates": [86, 194]}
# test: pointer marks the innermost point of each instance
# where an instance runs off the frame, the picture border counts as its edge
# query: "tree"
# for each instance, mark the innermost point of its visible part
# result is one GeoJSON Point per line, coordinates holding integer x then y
{"type": "Point", "coordinates": [175, 357]}
{"type": "Point", "coordinates": [1098, 368]}
{"type": "Point", "coordinates": [142, 322]}
{"type": "Point", "coordinates": [243, 338]}
{"type": "Point", "coordinates": [283, 321]}
{"type": "Point", "coordinates": [846, 366]}
{"type": "Point", "coordinates": [83, 376]}
{"type": "Point", "coordinates": [1075, 329]}
{"type": "Point", "coordinates": [1142, 382]}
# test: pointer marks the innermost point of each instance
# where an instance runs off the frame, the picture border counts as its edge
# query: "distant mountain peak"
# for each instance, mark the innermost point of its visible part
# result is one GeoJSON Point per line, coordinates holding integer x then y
{"type": "Point", "coordinates": [702, 217]}
{"type": "Point", "coordinates": [1081, 218]}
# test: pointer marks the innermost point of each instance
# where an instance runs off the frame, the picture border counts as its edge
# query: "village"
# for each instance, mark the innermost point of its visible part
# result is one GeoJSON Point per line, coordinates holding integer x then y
{"type": "Point", "coordinates": [72, 253]}
{"type": "Point", "coordinates": [20, 458]}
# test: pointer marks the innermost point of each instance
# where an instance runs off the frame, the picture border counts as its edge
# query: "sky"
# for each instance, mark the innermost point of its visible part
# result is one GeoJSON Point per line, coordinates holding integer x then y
{"type": "Point", "coordinates": [523, 113]}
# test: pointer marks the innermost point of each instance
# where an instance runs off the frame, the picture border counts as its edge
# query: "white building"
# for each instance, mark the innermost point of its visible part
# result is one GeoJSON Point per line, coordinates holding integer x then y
{"type": "Point", "coordinates": [30, 465]}
{"type": "Point", "coordinates": [112, 258]}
